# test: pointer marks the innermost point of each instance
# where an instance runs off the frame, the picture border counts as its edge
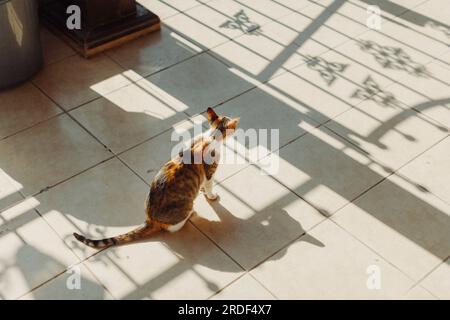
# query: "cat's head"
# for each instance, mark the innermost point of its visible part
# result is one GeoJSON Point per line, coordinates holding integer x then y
{"type": "Point", "coordinates": [221, 126]}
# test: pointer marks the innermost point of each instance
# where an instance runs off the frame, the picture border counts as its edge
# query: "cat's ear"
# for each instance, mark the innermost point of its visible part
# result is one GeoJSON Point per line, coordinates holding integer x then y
{"type": "Point", "coordinates": [212, 116]}
{"type": "Point", "coordinates": [233, 123]}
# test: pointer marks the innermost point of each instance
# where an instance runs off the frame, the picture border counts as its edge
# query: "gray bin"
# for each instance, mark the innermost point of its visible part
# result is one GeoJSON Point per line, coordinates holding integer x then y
{"type": "Point", "coordinates": [20, 44]}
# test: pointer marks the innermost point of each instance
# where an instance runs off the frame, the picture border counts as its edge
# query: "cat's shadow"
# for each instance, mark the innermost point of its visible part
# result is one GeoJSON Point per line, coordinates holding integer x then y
{"type": "Point", "coordinates": [248, 242]}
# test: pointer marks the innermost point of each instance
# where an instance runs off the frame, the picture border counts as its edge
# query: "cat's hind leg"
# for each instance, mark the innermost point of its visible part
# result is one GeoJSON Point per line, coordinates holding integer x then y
{"type": "Point", "coordinates": [179, 225]}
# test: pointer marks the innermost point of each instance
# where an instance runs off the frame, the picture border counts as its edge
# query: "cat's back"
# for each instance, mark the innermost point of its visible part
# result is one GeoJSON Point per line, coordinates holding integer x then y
{"type": "Point", "coordinates": [173, 191]}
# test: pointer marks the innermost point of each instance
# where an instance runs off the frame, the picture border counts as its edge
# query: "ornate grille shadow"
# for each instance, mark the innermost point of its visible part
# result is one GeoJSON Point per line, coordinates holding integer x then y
{"type": "Point", "coordinates": [393, 58]}
{"type": "Point", "coordinates": [241, 21]}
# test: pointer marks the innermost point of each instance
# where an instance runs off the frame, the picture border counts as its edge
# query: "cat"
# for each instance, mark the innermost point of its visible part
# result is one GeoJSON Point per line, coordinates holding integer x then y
{"type": "Point", "coordinates": [177, 184]}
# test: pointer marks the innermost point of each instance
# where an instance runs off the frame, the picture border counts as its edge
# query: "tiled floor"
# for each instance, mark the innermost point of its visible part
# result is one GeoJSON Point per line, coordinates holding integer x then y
{"type": "Point", "coordinates": [358, 205]}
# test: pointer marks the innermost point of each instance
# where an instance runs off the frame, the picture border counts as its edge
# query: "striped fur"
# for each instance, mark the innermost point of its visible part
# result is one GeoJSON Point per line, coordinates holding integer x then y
{"type": "Point", "coordinates": [139, 233]}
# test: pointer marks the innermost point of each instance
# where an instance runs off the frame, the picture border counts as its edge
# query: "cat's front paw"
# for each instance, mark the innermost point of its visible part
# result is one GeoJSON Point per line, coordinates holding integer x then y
{"type": "Point", "coordinates": [212, 196]}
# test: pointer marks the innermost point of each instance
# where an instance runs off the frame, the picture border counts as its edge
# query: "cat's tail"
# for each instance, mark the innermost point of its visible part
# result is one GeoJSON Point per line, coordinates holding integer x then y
{"type": "Point", "coordinates": [139, 233]}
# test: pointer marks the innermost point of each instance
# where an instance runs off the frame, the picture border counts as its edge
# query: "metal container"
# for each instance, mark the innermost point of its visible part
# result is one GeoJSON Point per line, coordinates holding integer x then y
{"type": "Point", "coordinates": [20, 44]}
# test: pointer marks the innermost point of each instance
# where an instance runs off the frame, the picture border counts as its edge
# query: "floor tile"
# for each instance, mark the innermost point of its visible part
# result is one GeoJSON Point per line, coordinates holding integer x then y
{"type": "Point", "coordinates": [251, 62]}
{"type": "Point", "coordinates": [294, 5]}
{"type": "Point", "coordinates": [267, 55]}
{"type": "Point", "coordinates": [75, 80]}
{"type": "Point", "coordinates": [434, 9]}
{"type": "Point", "coordinates": [169, 8]}
{"type": "Point", "coordinates": [402, 6]}
{"type": "Point", "coordinates": [265, 108]}
{"type": "Point", "coordinates": [196, 89]}
{"type": "Point", "coordinates": [439, 70]}
{"type": "Point", "coordinates": [160, 8]}
{"type": "Point", "coordinates": [246, 288]}
{"type": "Point", "coordinates": [268, 8]}
{"type": "Point", "coordinates": [328, 263]}
{"type": "Point", "coordinates": [49, 153]}
{"type": "Point", "coordinates": [438, 281]}
{"type": "Point", "coordinates": [430, 20]}
{"type": "Point", "coordinates": [428, 97]}
{"type": "Point", "coordinates": [387, 131]}
{"type": "Point", "coordinates": [67, 287]}
{"type": "Point", "coordinates": [334, 77]}
{"type": "Point", "coordinates": [358, 10]}
{"type": "Point", "coordinates": [193, 29]}
{"type": "Point", "coordinates": [23, 107]}
{"type": "Point", "coordinates": [131, 115]}
{"type": "Point", "coordinates": [110, 200]}
{"type": "Point", "coordinates": [326, 170]}
{"type": "Point", "coordinates": [404, 224]}
{"type": "Point", "coordinates": [419, 293]}
{"type": "Point", "coordinates": [386, 56]}
{"type": "Point", "coordinates": [255, 217]}
{"type": "Point", "coordinates": [445, 58]}
{"type": "Point", "coordinates": [307, 31]}
{"type": "Point", "coordinates": [184, 265]}
{"type": "Point", "coordinates": [336, 23]}
{"type": "Point", "coordinates": [31, 251]}
{"type": "Point", "coordinates": [430, 170]}
{"type": "Point", "coordinates": [325, 85]}
{"type": "Point", "coordinates": [154, 52]}
{"type": "Point", "coordinates": [231, 18]}
{"type": "Point", "coordinates": [433, 87]}
{"type": "Point", "coordinates": [216, 22]}
{"type": "Point", "coordinates": [332, 66]}
{"type": "Point", "coordinates": [420, 42]}
{"type": "Point", "coordinates": [9, 190]}
{"type": "Point", "coordinates": [53, 48]}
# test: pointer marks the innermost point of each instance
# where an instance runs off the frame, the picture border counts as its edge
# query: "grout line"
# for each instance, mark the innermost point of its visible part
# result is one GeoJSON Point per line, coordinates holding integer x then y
{"type": "Point", "coordinates": [60, 59]}
{"type": "Point", "coordinates": [372, 187]}
{"type": "Point", "coordinates": [92, 100]}
{"type": "Point", "coordinates": [263, 285]}
{"type": "Point", "coordinates": [41, 284]}
{"type": "Point", "coordinates": [417, 285]}
{"type": "Point", "coordinates": [426, 290]}
{"type": "Point", "coordinates": [395, 171]}
{"type": "Point", "coordinates": [227, 285]}
{"type": "Point", "coordinates": [80, 260]}
{"type": "Point", "coordinates": [402, 176]}
{"type": "Point", "coordinates": [420, 280]}
{"type": "Point", "coordinates": [48, 188]}
{"type": "Point", "coordinates": [200, 3]}
{"type": "Point", "coordinates": [390, 20]}
{"type": "Point", "coordinates": [150, 74]}
{"type": "Point", "coordinates": [98, 279]}
{"type": "Point", "coordinates": [274, 254]}
{"type": "Point", "coordinates": [217, 245]}
{"type": "Point", "coordinates": [33, 125]}
{"type": "Point", "coordinates": [289, 243]}
{"type": "Point", "coordinates": [13, 204]}
{"type": "Point", "coordinates": [371, 249]}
